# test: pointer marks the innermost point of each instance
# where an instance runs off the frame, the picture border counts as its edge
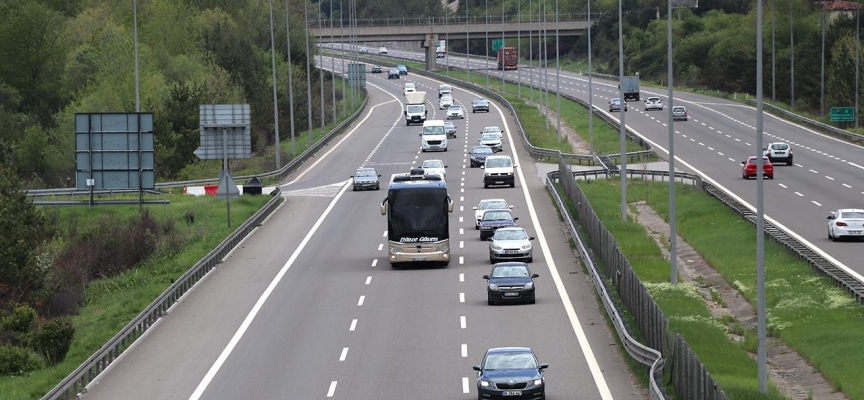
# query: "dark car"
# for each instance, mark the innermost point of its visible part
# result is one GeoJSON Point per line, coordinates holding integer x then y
{"type": "Point", "coordinates": [510, 373]}
{"type": "Point", "coordinates": [450, 129]}
{"type": "Point", "coordinates": [366, 178]}
{"type": "Point", "coordinates": [376, 69]}
{"type": "Point", "coordinates": [479, 154]}
{"type": "Point", "coordinates": [403, 70]}
{"type": "Point", "coordinates": [393, 73]}
{"type": "Point", "coordinates": [480, 104]}
{"type": "Point", "coordinates": [494, 219]}
{"type": "Point", "coordinates": [510, 281]}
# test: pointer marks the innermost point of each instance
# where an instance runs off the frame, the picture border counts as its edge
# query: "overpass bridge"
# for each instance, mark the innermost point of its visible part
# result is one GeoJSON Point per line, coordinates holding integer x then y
{"type": "Point", "coordinates": [427, 30]}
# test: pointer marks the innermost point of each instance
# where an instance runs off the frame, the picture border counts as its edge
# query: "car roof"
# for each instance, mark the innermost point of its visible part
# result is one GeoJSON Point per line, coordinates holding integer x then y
{"type": "Point", "coordinates": [501, 350]}
{"type": "Point", "coordinates": [842, 210]}
{"type": "Point", "coordinates": [501, 157]}
{"type": "Point", "coordinates": [678, 107]}
{"type": "Point", "coordinates": [510, 228]}
{"type": "Point", "coordinates": [493, 200]}
{"type": "Point", "coordinates": [481, 147]}
{"type": "Point", "coordinates": [653, 98]}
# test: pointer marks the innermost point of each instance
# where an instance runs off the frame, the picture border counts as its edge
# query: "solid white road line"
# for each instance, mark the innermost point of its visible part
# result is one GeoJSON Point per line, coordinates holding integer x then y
{"type": "Point", "coordinates": [202, 386]}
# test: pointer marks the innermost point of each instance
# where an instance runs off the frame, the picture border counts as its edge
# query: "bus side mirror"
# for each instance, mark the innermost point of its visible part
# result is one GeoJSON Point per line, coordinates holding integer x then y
{"type": "Point", "coordinates": [384, 208]}
{"type": "Point", "coordinates": [449, 205]}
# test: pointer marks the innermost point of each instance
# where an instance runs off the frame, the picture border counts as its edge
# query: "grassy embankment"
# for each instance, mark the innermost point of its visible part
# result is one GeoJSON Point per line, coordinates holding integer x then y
{"type": "Point", "coordinates": [113, 302]}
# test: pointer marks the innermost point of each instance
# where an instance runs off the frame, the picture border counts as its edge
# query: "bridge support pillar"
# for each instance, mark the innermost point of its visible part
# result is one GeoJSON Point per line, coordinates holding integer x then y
{"type": "Point", "coordinates": [429, 45]}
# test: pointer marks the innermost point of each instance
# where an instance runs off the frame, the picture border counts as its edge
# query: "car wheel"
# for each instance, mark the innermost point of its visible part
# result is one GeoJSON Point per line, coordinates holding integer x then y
{"type": "Point", "coordinates": [830, 236]}
{"type": "Point", "coordinates": [789, 162]}
{"type": "Point", "coordinates": [476, 227]}
{"type": "Point", "coordinates": [353, 189]}
{"type": "Point", "coordinates": [377, 187]}
{"type": "Point", "coordinates": [491, 260]}
{"type": "Point", "coordinates": [532, 301]}
{"type": "Point", "coordinates": [771, 177]}
{"type": "Point", "coordinates": [513, 185]}
{"type": "Point", "coordinates": [530, 260]}
{"type": "Point", "coordinates": [485, 186]}
{"type": "Point", "coordinates": [835, 238]}
{"type": "Point", "coordinates": [745, 176]}
{"type": "Point", "coordinates": [491, 303]}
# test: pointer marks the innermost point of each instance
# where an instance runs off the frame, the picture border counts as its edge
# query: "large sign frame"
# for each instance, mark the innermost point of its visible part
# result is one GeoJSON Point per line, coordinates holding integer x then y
{"type": "Point", "coordinates": [114, 151]}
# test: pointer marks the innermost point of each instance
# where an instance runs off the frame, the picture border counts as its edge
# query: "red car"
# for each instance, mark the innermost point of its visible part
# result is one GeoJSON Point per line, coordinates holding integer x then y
{"type": "Point", "coordinates": [748, 168]}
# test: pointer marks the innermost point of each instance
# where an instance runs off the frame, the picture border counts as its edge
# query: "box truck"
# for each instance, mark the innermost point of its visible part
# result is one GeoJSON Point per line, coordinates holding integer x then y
{"type": "Point", "coordinates": [508, 58]}
{"type": "Point", "coordinates": [415, 108]}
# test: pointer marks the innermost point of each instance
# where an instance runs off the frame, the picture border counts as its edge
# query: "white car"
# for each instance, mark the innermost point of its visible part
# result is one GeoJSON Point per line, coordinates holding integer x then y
{"type": "Point", "coordinates": [382, 50]}
{"type": "Point", "coordinates": [488, 204]}
{"type": "Point", "coordinates": [493, 129]}
{"type": "Point", "coordinates": [455, 112]}
{"type": "Point", "coordinates": [409, 88]}
{"type": "Point", "coordinates": [445, 102]}
{"type": "Point", "coordinates": [778, 152]}
{"type": "Point", "coordinates": [492, 140]}
{"type": "Point", "coordinates": [653, 103]}
{"type": "Point", "coordinates": [846, 222]}
{"type": "Point", "coordinates": [434, 167]}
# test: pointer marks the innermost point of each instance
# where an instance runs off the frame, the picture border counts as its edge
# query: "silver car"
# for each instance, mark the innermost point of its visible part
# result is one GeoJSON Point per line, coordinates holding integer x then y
{"type": "Point", "coordinates": [450, 129]}
{"type": "Point", "coordinates": [492, 140]}
{"type": "Point", "coordinates": [679, 113]}
{"type": "Point", "coordinates": [510, 244]}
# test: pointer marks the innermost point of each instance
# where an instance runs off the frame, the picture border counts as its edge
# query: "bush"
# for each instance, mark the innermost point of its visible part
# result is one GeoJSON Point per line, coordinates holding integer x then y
{"type": "Point", "coordinates": [53, 339]}
{"type": "Point", "coordinates": [16, 326]}
{"type": "Point", "coordinates": [18, 360]}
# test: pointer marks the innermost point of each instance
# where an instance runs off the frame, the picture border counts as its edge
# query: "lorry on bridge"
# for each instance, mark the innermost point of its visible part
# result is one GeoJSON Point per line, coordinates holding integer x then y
{"type": "Point", "coordinates": [415, 108]}
{"type": "Point", "coordinates": [508, 58]}
{"type": "Point", "coordinates": [440, 48]}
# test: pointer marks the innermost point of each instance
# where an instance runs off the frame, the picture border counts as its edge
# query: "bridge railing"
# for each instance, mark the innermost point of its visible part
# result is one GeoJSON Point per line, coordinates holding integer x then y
{"type": "Point", "coordinates": [454, 20]}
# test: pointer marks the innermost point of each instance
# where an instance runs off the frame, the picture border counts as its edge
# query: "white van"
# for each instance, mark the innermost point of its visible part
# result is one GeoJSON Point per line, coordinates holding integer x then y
{"type": "Point", "coordinates": [434, 136]}
{"type": "Point", "coordinates": [499, 170]}
{"type": "Point", "coordinates": [444, 90]}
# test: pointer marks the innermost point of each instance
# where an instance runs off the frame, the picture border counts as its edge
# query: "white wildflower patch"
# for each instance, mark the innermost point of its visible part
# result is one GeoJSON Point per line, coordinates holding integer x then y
{"type": "Point", "coordinates": [740, 286]}
{"type": "Point", "coordinates": [778, 284]}
{"type": "Point", "coordinates": [776, 324]}
{"type": "Point", "coordinates": [687, 289]}
{"type": "Point", "coordinates": [698, 319]}
{"type": "Point", "coordinates": [836, 298]}
{"type": "Point", "coordinates": [800, 301]}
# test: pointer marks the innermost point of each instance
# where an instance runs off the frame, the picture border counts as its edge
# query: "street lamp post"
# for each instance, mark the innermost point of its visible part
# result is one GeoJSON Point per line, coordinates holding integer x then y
{"type": "Point", "coordinates": [822, 73]}
{"type": "Point", "coordinates": [673, 236]}
{"type": "Point", "coordinates": [135, 34]}
{"type": "Point", "coordinates": [791, 56]}
{"type": "Point", "coordinates": [622, 106]}
{"type": "Point", "coordinates": [277, 148]}
{"type": "Point", "coordinates": [590, 89]}
{"type": "Point", "coordinates": [332, 63]}
{"type": "Point", "coordinates": [290, 73]}
{"type": "Point", "coordinates": [760, 216]}
{"type": "Point", "coordinates": [308, 72]}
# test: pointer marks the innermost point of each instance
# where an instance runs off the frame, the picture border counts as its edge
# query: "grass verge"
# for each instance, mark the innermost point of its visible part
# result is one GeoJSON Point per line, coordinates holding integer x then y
{"type": "Point", "coordinates": [112, 302]}
{"type": "Point", "coordinates": [800, 304]}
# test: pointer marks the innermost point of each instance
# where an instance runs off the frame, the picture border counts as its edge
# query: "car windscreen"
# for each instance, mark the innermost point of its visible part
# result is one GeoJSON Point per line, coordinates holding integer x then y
{"type": "Point", "coordinates": [433, 130]}
{"type": "Point", "coordinates": [493, 205]}
{"type": "Point", "coordinates": [365, 173]}
{"type": "Point", "coordinates": [483, 150]}
{"type": "Point", "coordinates": [489, 136]}
{"type": "Point", "coordinates": [510, 235]}
{"type": "Point", "coordinates": [498, 162]}
{"type": "Point", "coordinates": [418, 213]}
{"type": "Point", "coordinates": [433, 164]}
{"type": "Point", "coordinates": [510, 361]}
{"type": "Point", "coordinates": [508, 271]}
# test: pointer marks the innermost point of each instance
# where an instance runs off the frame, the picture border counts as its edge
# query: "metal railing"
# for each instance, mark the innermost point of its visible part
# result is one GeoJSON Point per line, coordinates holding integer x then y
{"type": "Point", "coordinates": [76, 382]}
{"type": "Point", "coordinates": [820, 126]}
{"type": "Point", "coordinates": [454, 20]}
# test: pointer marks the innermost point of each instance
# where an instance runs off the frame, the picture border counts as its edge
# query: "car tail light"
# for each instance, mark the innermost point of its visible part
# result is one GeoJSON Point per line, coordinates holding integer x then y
{"type": "Point", "coordinates": [841, 223]}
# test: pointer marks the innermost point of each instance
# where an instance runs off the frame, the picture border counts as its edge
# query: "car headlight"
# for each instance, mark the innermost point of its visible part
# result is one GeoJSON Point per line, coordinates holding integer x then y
{"type": "Point", "coordinates": [394, 250]}
{"type": "Point", "coordinates": [442, 249]}
{"type": "Point", "coordinates": [526, 246]}
{"type": "Point", "coordinates": [496, 247]}
{"type": "Point", "coordinates": [485, 383]}
{"type": "Point", "coordinates": [538, 382]}
{"type": "Point", "coordinates": [529, 286]}
{"type": "Point", "coordinates": [493, 287]}
{"type": "Point", "coordinates": [509, 174]}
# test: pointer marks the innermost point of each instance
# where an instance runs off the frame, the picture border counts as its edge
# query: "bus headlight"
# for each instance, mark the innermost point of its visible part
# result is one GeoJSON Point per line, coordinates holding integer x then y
{"type": "Point", "coordinates": [443, 249]}
{"type": "Point", "coordinates": [394, 250]}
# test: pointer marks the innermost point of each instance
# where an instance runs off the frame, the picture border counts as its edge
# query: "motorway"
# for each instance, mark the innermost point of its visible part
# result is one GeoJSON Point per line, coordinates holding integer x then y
{"type": "Point", "coordinates": [827, 174]}
{"type": "Point", "coordinates": [307, 307]}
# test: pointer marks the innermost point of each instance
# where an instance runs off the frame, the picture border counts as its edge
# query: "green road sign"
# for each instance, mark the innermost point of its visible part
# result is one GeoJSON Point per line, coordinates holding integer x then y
{"type": "Point", "coordinates": [842, 114]}
{"type": "Point", "coordinates": [497, 44]}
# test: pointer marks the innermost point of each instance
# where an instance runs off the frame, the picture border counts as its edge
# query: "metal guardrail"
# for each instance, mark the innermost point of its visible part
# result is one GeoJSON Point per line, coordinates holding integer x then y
{"type": "Point", "coordinates": [76, 382]}
{"type": "Point", "coordinates": [809, 122]}
{"type": "Point", "coordinates": [453, 20]}
{"type": "Point", "coordinates": [641, 353]}
{"type": "Point", "coordinates": [280, 173]}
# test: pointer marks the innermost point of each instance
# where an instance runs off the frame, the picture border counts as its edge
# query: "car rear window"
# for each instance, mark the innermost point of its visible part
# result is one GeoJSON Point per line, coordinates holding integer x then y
{"type": "Point", "coordinates": [852, 214]}
{"type": "Point", "coordinates": [779, 146]}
